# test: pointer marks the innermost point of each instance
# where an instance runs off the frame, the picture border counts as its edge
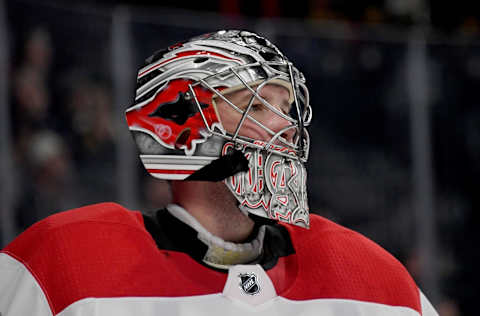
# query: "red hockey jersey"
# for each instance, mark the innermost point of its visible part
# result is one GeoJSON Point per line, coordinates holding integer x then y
{"type": "Point", "coordinates": [101, 260]}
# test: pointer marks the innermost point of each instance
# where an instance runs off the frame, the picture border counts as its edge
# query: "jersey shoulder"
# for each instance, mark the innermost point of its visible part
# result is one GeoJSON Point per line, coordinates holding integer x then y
{"type": "Point", "coordinates": [73, 224]}
{"type": "Point", "coordinates": [82, 252]}
{"type": "Point", "coordinates": [341, 263]}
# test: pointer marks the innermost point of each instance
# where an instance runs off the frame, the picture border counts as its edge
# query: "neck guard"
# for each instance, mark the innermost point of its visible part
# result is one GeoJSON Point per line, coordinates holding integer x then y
{"type": "Point", "coordinates": [220, 253]}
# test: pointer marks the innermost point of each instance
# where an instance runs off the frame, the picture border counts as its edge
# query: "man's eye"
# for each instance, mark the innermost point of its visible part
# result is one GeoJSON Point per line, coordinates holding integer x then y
{"type": "Point", "coordinates": [256, 107]}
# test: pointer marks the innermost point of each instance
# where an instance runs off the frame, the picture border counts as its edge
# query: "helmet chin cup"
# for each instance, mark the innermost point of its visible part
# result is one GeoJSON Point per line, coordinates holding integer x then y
{"type": "Point", "coordinates": [274, 186]}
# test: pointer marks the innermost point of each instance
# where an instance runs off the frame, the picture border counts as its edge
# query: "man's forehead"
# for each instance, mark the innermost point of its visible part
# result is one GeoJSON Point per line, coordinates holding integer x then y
{"type": "Point", "coordinates": [273, 83]}
{"type": "Point", "coordinates": [268, 92]}
{"type": "Point", "coordinates": [278, 94]}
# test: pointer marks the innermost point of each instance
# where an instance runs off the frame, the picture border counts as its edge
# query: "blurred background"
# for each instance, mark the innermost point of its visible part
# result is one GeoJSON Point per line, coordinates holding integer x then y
{"type": "Point", "coordinates": [395, 138]}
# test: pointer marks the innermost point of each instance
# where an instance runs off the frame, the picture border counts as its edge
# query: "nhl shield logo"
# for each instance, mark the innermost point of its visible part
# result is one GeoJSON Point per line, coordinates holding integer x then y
{"type": "Point", "coordinates": [249, 283]}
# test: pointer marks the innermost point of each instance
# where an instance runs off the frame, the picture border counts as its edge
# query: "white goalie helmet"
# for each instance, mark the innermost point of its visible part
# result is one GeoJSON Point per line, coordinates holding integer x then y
{"type": "Point", "coordinates": [180, 134]}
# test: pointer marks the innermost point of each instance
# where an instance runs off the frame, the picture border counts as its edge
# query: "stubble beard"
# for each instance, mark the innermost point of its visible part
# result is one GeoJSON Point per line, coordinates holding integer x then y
{"type": "Point", "coordinates": [225, 209]}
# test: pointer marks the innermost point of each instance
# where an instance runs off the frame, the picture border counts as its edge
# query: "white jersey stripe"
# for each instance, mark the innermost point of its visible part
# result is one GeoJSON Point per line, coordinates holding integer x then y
{"type": "Point", "coordinates": [20, 294]}
{"type": "Point", "coordinates": [219, 305]}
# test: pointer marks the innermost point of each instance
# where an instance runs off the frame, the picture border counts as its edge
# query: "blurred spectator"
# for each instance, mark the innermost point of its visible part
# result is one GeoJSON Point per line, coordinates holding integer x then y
{"type": "Point", "coordinates": [30, 91]}
{"type": "Point", "coordinates": [470, 26]}
{"type": "Point", "coordinates": [88, 124]}
{"type": "Point", "coordinates": [49, 180]}
{"type": "Point", "coordinates": [448, 308]}
{"type": "Point", "coordinates": [89, 108]}
{"type": "Point", "coordinates": [31, 100]}
{"type": "Point", "coordinates": [38, 50]}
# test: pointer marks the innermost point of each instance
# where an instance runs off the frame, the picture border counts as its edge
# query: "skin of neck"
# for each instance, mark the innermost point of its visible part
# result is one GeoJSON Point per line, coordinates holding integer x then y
{"type": "Point", "coordinates": [214, 207]}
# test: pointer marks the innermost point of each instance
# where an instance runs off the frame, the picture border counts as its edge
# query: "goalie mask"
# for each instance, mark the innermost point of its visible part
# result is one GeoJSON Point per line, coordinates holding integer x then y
{"type": "Point", "coordinates": [195, 105]}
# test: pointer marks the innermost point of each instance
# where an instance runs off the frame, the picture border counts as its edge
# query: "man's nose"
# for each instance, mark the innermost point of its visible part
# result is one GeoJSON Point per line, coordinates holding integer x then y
{"type": "Point", "coordinates": [277, 123]}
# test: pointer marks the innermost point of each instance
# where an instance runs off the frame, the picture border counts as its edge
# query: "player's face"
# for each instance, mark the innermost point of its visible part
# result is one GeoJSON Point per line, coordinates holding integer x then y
{"type": "Point", "coordinates": [276, 95]}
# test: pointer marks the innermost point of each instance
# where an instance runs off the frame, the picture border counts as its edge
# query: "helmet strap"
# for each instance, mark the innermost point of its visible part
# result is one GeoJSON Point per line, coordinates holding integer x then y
{"type": "Point", "coordinates": [225, 166]}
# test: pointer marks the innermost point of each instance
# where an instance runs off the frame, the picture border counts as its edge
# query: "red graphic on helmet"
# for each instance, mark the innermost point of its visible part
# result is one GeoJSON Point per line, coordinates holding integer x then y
{"type": "Point", "coordinates": [173, 118]}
